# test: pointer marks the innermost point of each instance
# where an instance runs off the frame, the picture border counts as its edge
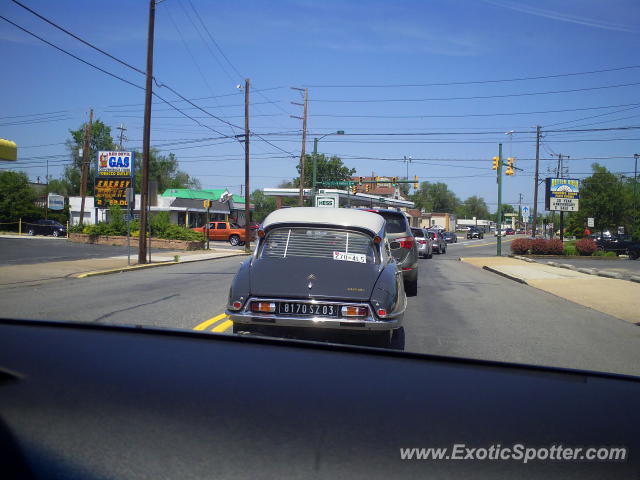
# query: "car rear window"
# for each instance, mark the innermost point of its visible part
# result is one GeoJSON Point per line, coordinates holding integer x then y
{"type": "Point", "coordinates": [338, 245]}
{"type": "Point", "coordinates": [396, 222]}
{"type": "Point", "coordinates": [417, 232]}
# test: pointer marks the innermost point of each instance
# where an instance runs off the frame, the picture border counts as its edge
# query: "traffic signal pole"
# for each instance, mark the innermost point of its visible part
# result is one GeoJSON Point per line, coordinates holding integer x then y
{"type": "Point", "coordinates": [499, 212]}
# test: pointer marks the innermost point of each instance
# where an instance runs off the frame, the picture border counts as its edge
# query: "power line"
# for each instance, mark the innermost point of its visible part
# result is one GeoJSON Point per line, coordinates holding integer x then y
{"type": "Point", "coordinates": [473, 82]}
{"type": "Point", "coordinates": [475, 97]}
{"type": "Point", "coordinates": [464, 115]}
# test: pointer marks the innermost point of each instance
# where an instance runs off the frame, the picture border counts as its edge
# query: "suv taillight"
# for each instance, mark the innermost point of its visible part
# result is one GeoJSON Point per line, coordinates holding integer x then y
{"type": "Point", "coordinates": [405, 242]}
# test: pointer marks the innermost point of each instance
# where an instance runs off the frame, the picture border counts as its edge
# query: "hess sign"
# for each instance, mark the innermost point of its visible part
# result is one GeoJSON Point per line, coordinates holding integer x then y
{"type": "Point", "coordinates": [114, 164]}
{"type": "Point", "coordinates": [327, 201]}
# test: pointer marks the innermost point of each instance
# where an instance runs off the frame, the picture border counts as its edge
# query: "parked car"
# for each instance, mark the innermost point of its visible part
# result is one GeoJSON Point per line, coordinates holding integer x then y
{"type": "Point", "coordinates": [521, 231]}
{"type": "Point", "coordinates": [404, 248]}
{"type": "Point", "coordinates": [321, 268]}
{"type": "Point", "coordinates": [227, 231]}
{"type": "Point", "coordinates": [425, 249]}
{"type": "Point", "coordinates": [474, 232]}
{"type": "Point", "coordinates": [621, 244]}
{"type": "Point", "coordinates": [509, 231]}
{"type": "Point", "coordinates": [438, 243]}
{"type": "Point", "coordinates": [450, 237]}
{"type": "Point", "coordinates": [46, 227]}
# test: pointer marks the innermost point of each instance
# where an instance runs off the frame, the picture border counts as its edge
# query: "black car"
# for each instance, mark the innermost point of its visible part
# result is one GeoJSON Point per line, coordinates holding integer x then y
{"type": "Point", "coordinates": [404, 246]}
{"type": "Point", "coordinates": [450, 237]}
{"type": "Point", "coordinates": [46, 227]}
{"type": "Point", "coordinates": [621, 244]}
{"type": "Point", "coordinates": [475, 232]}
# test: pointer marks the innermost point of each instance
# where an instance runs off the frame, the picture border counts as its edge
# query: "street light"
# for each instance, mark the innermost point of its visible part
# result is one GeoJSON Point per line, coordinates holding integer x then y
{"type": "Point", "coordinates": [315, 157]}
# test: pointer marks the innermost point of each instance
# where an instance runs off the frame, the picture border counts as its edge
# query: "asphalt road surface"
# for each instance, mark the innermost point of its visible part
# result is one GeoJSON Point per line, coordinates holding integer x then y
{"type": "Point", "coordinates": [30, 250]}
{"type": "Point", "coordinates": [460, 310]}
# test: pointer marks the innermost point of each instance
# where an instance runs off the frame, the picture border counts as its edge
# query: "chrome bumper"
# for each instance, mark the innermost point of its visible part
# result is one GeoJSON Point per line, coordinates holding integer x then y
{"type": "Point", "coordinates": [370, 323]}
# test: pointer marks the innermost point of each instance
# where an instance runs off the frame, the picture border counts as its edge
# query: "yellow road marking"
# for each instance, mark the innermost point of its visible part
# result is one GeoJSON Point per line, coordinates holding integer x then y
{"type": "Point", "coordinates": [209, 322]}
{"type": "Point", "coordinates": [223, 326]}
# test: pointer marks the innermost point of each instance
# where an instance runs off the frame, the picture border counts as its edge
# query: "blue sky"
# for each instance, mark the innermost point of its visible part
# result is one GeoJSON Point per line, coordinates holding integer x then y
{"type": "Point", "coordinates": [357, 59]}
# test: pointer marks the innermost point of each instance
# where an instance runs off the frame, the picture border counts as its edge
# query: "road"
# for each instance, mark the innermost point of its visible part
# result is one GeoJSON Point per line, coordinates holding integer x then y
{"type": "Point", "coordinates": [30, 250]}
{"type": "Point", "coordinates": [460, 310]}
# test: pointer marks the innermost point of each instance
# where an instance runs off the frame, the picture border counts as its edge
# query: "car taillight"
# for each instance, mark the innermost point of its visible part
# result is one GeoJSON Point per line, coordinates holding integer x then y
{"type": "Point", "coordinates": [263, 307]}
{"type": "Point", "coordinates": [348, 311]}
{"type": "Point", "coordinates": [382, 312]}
{"type": "Point", "coordinates": [237, 305]}
{"type": "Point", "coordinates": [406, 242]}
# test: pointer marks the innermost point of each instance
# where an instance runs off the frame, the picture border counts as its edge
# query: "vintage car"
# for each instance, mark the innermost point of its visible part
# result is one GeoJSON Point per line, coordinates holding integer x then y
{"type": "Point", "coordinates": [320, 268]}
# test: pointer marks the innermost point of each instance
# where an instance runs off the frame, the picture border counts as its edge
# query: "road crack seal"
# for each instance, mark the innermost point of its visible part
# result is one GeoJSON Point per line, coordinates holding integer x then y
{"type": "Point", "coordinates": [106, 315]}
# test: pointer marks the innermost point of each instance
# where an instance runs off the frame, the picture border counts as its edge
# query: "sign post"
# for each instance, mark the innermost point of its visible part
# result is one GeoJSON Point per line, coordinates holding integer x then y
{"type": "Point", "coordinates": [130, 196]}
{"type": "Point", "coordinates": [207, 204]}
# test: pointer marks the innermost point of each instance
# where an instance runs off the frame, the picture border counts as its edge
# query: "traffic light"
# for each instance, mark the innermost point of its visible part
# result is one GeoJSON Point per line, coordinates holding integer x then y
{"type": "Point", "coordinates": [366, 188]}
{"type": "Point", "coordinates": [496, 162]}
{"type": "Point", "coordinates": [354, 189]}
{"type": "Point", "coordinates": [394, 181]}
{"type": "Point", "coordinates": [510, 162]}
{"type": "Point", "coordinates": [360, 180]}
{"type": "Point", "coordinates": [415, 185]}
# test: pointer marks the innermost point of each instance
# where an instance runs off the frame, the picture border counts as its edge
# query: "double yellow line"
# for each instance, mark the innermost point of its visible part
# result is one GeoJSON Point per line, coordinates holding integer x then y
{"type": "Point", "coordinates": [221, 323]}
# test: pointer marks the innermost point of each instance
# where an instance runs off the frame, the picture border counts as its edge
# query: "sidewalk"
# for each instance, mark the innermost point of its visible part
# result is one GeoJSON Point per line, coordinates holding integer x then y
{"type": "Point", "coordinates": [14, 275]}
{"type": "Point", "coordinates": [619, 298]}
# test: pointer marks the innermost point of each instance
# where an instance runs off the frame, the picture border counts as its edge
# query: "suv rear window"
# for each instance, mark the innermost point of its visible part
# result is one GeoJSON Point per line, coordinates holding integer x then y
{"type": "Point", "coordinates": [317, 243]}
{"type": "Point", "coordinates": [396, 222]}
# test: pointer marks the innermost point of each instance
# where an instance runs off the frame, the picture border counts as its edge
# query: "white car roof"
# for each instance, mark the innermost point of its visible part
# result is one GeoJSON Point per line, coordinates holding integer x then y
{"type": "Point", "coordinates": [344, 217]}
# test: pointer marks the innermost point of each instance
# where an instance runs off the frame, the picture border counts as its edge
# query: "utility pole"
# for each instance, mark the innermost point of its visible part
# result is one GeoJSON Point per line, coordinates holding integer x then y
{"type": "Point", "coordinates": [635, 185]}
{"type": "Point", "coordinates": [304, 138]}
{"type": "Point", "coordinates": [499, 212]}
{"type": "Point", "coordinates": [85, 165]}
{"type": "Point", "coordinates": [146, 139]}
{"type": "Point", "coordinates": [535, 183]}
{"type": "Point", "coordinates": [122, 129]}
{"type": "Point", "coordinates": [247, 197]}
{"type": "Point", "coordinates": [520, 209]}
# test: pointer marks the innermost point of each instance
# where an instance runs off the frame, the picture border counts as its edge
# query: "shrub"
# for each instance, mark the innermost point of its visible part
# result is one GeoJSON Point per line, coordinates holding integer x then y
{"type": "Point", "coordinates": [76, 229]}
{"type": "Point", "coordinates": [570, 250]}
{"type": "Point", "coordinates": [116, 220]}
{"type": "Point", "coordinates": [586, 246]}
{"type": "Point", "coordinates": [598, 253]}
{"type": "Point", "coordinates": [521, 246]}
{"type": "Point", "coordinates": [539, 246]}
{"type": "Point", "coordinates": [554, 247]}
{"type": "Point", "coordinates": [611, 254]}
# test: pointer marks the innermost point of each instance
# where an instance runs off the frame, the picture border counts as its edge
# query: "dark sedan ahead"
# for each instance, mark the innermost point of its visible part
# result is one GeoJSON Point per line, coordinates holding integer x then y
{"type": "Point", "coordinates": [475, 232]}
{"type": "Point", "coordinates": [46, 227]}
{"type": "Point", "coordinates": [450, 237]}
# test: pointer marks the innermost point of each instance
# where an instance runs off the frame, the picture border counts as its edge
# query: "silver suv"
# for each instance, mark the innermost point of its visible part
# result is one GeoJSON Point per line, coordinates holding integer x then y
{"type": "Point", "coordinates": [404, 247]}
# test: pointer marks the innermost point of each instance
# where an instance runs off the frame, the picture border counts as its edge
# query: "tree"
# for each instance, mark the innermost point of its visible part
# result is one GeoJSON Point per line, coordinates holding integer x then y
{"type": "Point", "coordinates": [473, 207]}
{"type": "Point", "coordinates": [17, 198]}
{"type": "Point", "coordinates": [263, 205]}
{"type": "Point", "coordinates": [164, 170]}
{"type": "Point", "coordinates": [606, 198]}
{"type": "Point", "coordinates": [436, 197]}
{"type": "Point", "coordinates": [328, 170]}
{"type": "Point", "coordinates": [506, 208]}
{"type": "Point", "coordinates": [100, 140]}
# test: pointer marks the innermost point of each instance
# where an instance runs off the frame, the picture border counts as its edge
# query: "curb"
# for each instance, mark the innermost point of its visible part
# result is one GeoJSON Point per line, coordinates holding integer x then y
{"type": "Point", "coordinates": [605, 273]}
{"type": "Point", "coordinates": [635, 278]}
{"type": "Point", "coordinates": [150, 265]}
{"type": "Point", "coordinates": [506, 275]}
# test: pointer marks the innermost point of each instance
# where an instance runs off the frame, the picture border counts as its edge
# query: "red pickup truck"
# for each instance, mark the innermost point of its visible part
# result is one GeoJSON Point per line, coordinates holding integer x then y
{"type": "Point", "coordinates": [226, 231]}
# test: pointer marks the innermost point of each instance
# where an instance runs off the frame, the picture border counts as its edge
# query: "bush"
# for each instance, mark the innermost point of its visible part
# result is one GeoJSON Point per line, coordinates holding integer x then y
{"type": "Point", "coordinates": [611, 254]}
{"type": "Point", "coordinates": [554, 247]}
{"type": "Point", "coordinates": [539, 246]}
{"type": "Point", "coordinates": [76, 229]}
{"type": "Point", "coordinates": [570, 250]}
{"type": "Point", "coordinates": [598, 253]}
{"type": "Point", "coordinates": [521, 246]}
{"type": "Point", "coordinates": [117, 223]}
{"type": "Point", "coordinates": [586, 246]}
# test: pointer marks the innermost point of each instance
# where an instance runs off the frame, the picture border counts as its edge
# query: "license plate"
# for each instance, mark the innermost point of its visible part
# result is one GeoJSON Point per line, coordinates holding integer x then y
{"type": "Point", "coordinates": [307, 309]}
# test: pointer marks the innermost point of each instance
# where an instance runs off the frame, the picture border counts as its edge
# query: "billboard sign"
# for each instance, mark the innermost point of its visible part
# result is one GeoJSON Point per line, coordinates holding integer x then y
{"type": "Point", "coordinates": [115, 174]}
{"type": "Point", "coordinates": [55, 202]}
{"type": "Point", "coordinates": [114, 164]}
{"type": "Point", "coordinates": [562, 194]}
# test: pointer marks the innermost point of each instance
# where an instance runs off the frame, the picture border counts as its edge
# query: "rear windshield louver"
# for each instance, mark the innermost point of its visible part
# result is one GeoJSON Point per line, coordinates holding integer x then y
{"type": "Point", "coordinates": [316, 243]}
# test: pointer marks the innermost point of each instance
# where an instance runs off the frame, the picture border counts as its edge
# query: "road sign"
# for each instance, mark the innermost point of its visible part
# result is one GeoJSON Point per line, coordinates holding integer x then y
{"type": "Point", "coordinates": [55, 202]}
{"type": "Point", "coordinates": [327, 201]}
{"type": "Point", "coordinates": [621, 230]}
{"type": "Point", "coordinates": [525, 213]}
{"type": "Point", "coordinates": [590, 222]}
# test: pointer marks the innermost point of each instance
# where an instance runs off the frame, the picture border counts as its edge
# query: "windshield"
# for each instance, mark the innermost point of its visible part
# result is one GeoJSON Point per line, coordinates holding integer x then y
{"type": "Point", "coordinates": [504, 131]}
